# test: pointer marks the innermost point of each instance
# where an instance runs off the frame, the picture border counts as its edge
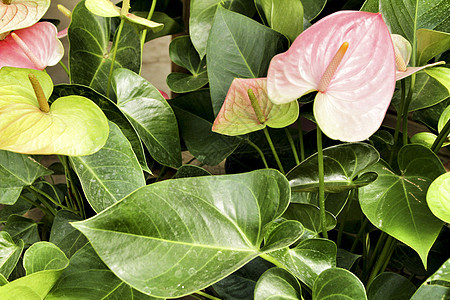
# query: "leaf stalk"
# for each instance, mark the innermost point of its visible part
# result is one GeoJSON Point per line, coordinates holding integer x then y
{"type": "Point", "coordinates": [321, 183]}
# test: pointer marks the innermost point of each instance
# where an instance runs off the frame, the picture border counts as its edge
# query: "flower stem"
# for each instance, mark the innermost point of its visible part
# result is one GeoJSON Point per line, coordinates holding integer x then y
{"type": "Point", "coordinates": [263, 158]}
{"type": "Point", "coordinates": [399, 119]}
{"type": "Point", "coordinates": [43, 201]}
{"type": "Point", "coordinates": [406, 109]}
{"type": "Point", "coordinates": [300, 137]}
{"type": "Point", "coordinates": [64, 67]}
{"type": "Point", "coordinates": [144, 32]}
{"type": "Point", "coordinates": [442, 137]}
{"type": "Point", "coordinates": [43, 104]}
{"type": "Point", "coordinates": [344, 218]}
{"type": "Point", "coordinates": [291, 142]}
{"type": "Point", "coordinates": [275, 154]}
{"type": "Point", "coordinates": [43, 208]}
{"type": "Point", "coordinates": [321, 183]}
{"type": "Point", "coordinates": [113, 59]}
{"type": "Point", "coordinates": [358, 236]}
{"type": "Point", "coordinates": [390, 242]}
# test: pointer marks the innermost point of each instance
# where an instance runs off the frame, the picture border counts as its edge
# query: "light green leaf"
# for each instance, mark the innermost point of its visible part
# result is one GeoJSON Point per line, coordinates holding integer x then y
{"type": "Point", "coordinates": [150, 114]}
{"type": "Point", "coordinates": [184, 83]}
{"type": "Point", "coordinates": [343, 163]}
{"type": "Point", "coordinates": [431, 43]}
{"type": "Point", "coordinates": [9, 253]}
{"type": "Point", "coordinates": [438, 197]}
{"type": "Point", "coordinates": [277, 283]}
{"type": "Point", "coordinates": [337, 283]}
{"type": "Point", "coordinates": [445, 117]}
{"type": "Point", "coordinates": [389, 285]}
{"type": "Point", "coordinates": [249, 49]}
{"type": "Point", "coordinates": [442, 75]}
{"type": "Point", "coordinates": [424, 138]}
{"type": "Point", "coordinates": [110, 174]}
{"type": "Point", "coordinates": [436, 286]}
{"type": "Point", "coordinates": [3, 280]}
{"type": "Point", "coordinates": [309, 216]}
{"type": "Point", "coordinates": [281, 233]}
{"type": "Point", "coordinates": [17, 171]}
{"type": "Point", "coordinates": [187, 233]}
{"type": "Point", "coordinates": [43, 256]}
{"type": "Point", "coordinates": [308, 259]}
{"type": "Point", "coordinates": [103, 8]}
{"type": "Point", "coordinates": [21, 228]}
{"type": "Point", "coordinates": [396, 203]}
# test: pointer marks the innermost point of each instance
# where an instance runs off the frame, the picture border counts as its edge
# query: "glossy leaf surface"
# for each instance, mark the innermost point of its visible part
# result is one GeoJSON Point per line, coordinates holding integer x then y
{"type": "Point", "coordinates": [277, 283]}
{"type": "Point", "coordinates": [10, 253]}
{"type": "Point", "coordinates": [309, 216]}
{"type": "Point", "coordinates": [281, 233]}
{"type": "Point", "coordinates": [67, 129]}
{"type": "Point", "coordinates": [342, 164]}
{"type": "Point", "coordinates": [185, 227]}
{"type": "Point", "coordinates": [308, 259]}
{"type": "Point", "coordinates": [334, 202]}
{"type": "Point", "coordinates": [150, 114]}
{"type": "Point", "coordinates": [17, 171]}
{"type": "Point", "coordinates": [190, 171]}
{"type": "Point", "coordinates": [111, 173]}
{"type": "Point", "coordinates": [247, 55]}
{"type": "Point", "coordinates": [238, 116]}
{"type": "Point", "coordinates": [389, 285]}
{"type": "Point", "coordinates": [21, 14]}
{"type": "Point", "coordinates": [338, 283]}
{"type": "Point", "coordinates": [43, 256]}
{"type": "Point", "coordinates": [436, 286]}
{"type": "Point", "coordinates": [438, 197]}
{"type": "Point", "coordinates": [396, 204]}
{"type": "Point", "coordinates": [431, 43]}
{"type": "Point", "coordinates": [312, 8]}
{"type": "Point", "coordinates": [443, 119]}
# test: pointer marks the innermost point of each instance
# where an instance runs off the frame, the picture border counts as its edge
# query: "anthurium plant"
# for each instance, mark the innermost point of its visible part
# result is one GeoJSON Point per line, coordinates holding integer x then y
{"type": "Point", "coordinates": [310, 110]}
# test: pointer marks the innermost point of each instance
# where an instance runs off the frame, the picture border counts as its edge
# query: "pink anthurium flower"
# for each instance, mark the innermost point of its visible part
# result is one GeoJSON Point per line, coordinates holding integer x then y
{"type": "Point", "coordinates": [35, 47]}
{"type": "Point", "coordinates": [348, 57]}
{"type": "Point", "coordinates": [403, 50]}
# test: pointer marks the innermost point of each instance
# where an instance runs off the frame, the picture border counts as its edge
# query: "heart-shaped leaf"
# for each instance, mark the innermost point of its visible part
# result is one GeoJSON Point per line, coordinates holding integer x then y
{"type": "Point", "coordinates": [73, 126]}
{"type": "Point", "coordinates": [339, 284]}
{"type": "Point", "coordinates": [9, 253]}
{"type": "Point", "coordinates": [431, 43]}
{"type": "Point", "coordinates": [21, 13]}
{"type": "Point", "coordinates": [438, 198]}
{"type": "Point", "coordinates": [17, 171]}
{"type": "Point", "coordinates": [40, 39]}
{"type": "Point", "coordinates": [396, 203]}
{"type": "Point", "coordinates": [21, 228]}
{"type": "Point", "coordinates": [309, 216]}
{"type": "Point", "coordinates": [250, 46]}
{"type": "Point", "coordinates": [185, 227]}
{"type": "Point", "coordinates": [277, 283]}
{"type": "Point", "coordinates": [334, 202]}
{"type": "Point", "coordinates": [308, 259]}
{"type": "Point", "coordinates": [240, 115]}
{"type": "Point", "coordinates": [150, 114]}
{"type": "Point", "coordinates": [342, 164]}
{"type": "Point", "coordinates": [111, 173]}
{"type": "Point", "coordinates": [43, 256]}
{"type": "Point", "coordinates": [436, 286]}
{"type": "Point", "coordinates": [425, 139]}
{"type": "Point", "coordinates": [281, 233]}
{"type": "Point", "coordinates": [390, 286]}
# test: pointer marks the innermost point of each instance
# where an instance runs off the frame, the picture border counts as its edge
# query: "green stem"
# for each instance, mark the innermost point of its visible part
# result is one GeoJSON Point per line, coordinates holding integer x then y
{"type": "Point", "coordinates": [161, 174]}
{"type": "Point", "coordinates": [64, 67]}
{"type": "Point", "coordinates": [144, 32]}
{"type": "Point", "coordinates": [381, 259]}
{"type": "Point", "coordinates": [263, 158]}
{"type": "Point", "coordinates": [399, 119]}
{"type": "Point", "coordinates": [272, 260]}
{"type": "Point", "coordinates": [113, 59]}
{"type": "Point", "coordinates": [208, 296]}
{"type": "Point", "coordinates": [43, 208]}
{"type": "Point", "coordinates": [321, 183]}
{"type": "Point", "coordinates": [47, 196]}
{"type": "Point", "coordinates": [406, 109]}
{"type": "Point", "coordinates": [300, 137]}
{"type": "Point", "coordinates": [442, 137]}
{"type": "Point", "coordinates": [71, 188]}
{"type": "Point", "coordinates": [291, 142]}
{"type": "Point", "coordinates": [275, 154]}
{"type": "Point", "coordinates": [380, 243]}
{"type": "Point", "coordinates": [358, 236]}
{"type": "Point", "coordinates": [344, 218]}
{"type": "Point", "coordinates": [42, 200]}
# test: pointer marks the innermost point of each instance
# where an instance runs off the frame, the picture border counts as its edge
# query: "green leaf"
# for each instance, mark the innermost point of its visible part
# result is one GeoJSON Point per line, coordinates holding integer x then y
{"type": "Point", "coordinates": [183, 53]}
{"type": "Point", "coordinates": [312, 8]}
{"type": "Point", "coordinates": [431, 43]}
{"type": "Point", "coordinates": [286, 17]}
{"type": "Point", "coordinates": [112, 112]}
{"type": "Point", "coordinates": [9, 253]}
{"type": "Point", "coordinates": [171, 26]}
{"type": "Point", "coordinates": [444, 118]}
{"type": "Point", "coordinates": [437, 286]}
{"type": "Point", "coordinates": [277, 283]}
{"type": "Point", "coordinates": [185, 227]}
{"type": "Point", "coordinates": [346, 259]}
{"type": "Point", "coordinates": [389, 285]}
{"type": "Point", "coordinates": [343, 163]}
{"type": "Point", "coordinates": [424, 138]}
{"type": "Point", "coordinates": [63, 235]}
{"type": "Point", "coordinates": [202, 15]}
{"type": "Point", "coordinates": [308, 259]}
{"type": "Point", "coordinates": [442, 75]}
{"type": "Point", "coordinates": [334, 202]}
{"type": "Point", "coordinates": [281, 233]}
{"type": "Point", "coordinates": [17, 171]}
{"type": "Point", "coordinates": [430, 116]}
{"type": "Point", "coordinates": [194, 115]}
{"type": "Point", "coordinates": [438, 197]}
{"type": "Point", "coordinates": [21, 228]}
{"type": "Point", "coordinates": [150, 114]}
{"type": "Point", "coordinates": [396, 204]}
{"type": "Point", "coordinates": [249, 48]}
{"type": "Point", "coordinates": [337, 283]}
{"type": "Point", "coordinates": [110, 174]}
{"type": "Point", "coordinates": [89, 57]}
{"type": "Point", "coordinates": [18, 208]}
{"type": "Point", "coordinates": [104, 8]}
{"type": "Point", "coordinates": [190, 171]}
{"type": "Point", "coordinates": [3, 280]}
{"type": "Point", "coordinates": [309, 216]}
{"type": "Point", "coordinates": [43, 256]}
{"type": "Point", "coordinates": [185, 83]}
{"type": "Point", "coordinates": [87, 277]}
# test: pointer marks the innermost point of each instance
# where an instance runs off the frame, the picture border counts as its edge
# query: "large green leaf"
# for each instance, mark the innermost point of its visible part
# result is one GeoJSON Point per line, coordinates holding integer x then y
{"type": "Point", "coordinates": [112, 112]}
{"type": "Point", "coordinates": [438, 197]}
{"type": "Point", "coordinates": [87, 277]}
{"type": "Point", "coordinates": [89, 58]}
{"type": "Point", "coordinates": [277, 283]}
{"type": "Point", "coordinates": [337, 283]}
{"type": "Point", "coordinates": [309, 216]}
{"type": "Point", "coordinates": [312, 8]}
{"type": "Point", "coordinates": [390, 286]}
{"type": "Point", "coordinates": [202, 15]}
{"type": "Point", "coordinates": [187, 233]}
{"type": "Point", "coordinates": [111, 173]}
{"type": "Point", "coordinates": [343, 163]}
{"type": "Point", "coordinates": [430, 116]}
{"type": "Point", "coordinates": [63, 235]}
{"type": "Point", "coordinates": [238, 47]}
{"type": "Point", "coordinates": [431, 43]}
{"type": "Point", "coordinates": [437, 286]}
{"type": "Point", "coordinates": [396, 204]}
{"type": "Point", "coordinates": [308, 259]}
{"type": "Point", "coordinates": [17, 171]}
{"type": "Point", "coordinates": [334, 202]}
{"type": "Point", "coordinates": [21, 228]}
{"type": "Point", "coordinates": [150, 114]}
{"type": "Point", "coordinates": [9, 253]}
{"type": "Point", "coordinates": [43, 256]}
{"type": "Point", "coordinates": [19, 208]}
{"type": "Point", "coordinates": [195, 117]}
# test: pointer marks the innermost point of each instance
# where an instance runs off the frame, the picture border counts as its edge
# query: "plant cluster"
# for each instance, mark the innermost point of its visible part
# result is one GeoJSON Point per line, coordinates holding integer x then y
{"type": "Point", "coordinates": [323, 199]}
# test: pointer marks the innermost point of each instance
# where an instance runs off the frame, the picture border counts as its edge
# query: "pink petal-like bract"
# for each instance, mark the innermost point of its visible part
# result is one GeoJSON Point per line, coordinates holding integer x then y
{"type": "Point", "coordinates": [411, 70]}
{"type": "Point", "coordinates": [41, 39]}
{"type": "Point", "coordinates": [353, 105]}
